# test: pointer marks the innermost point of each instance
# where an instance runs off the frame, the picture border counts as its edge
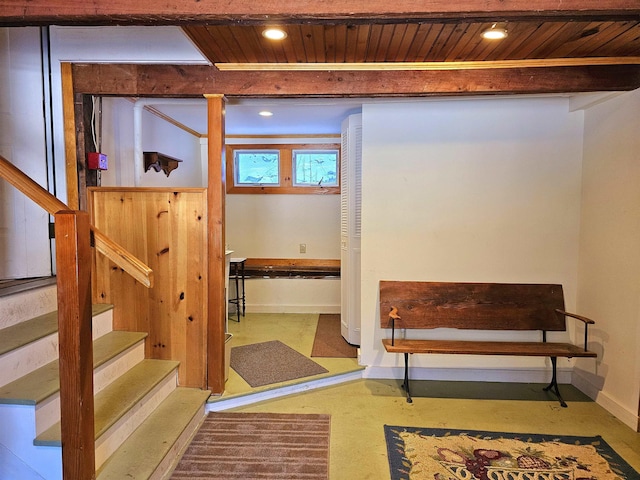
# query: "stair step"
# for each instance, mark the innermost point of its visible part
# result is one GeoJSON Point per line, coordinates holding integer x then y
{"type": "Point", "coordinates": [27, 346]}
{"type": "Point", "coordinates": [44, 382]}
{"type": "Point", "coordinates": [153, 448]}
{"type": "Point", "coordinates": [117, 399]}
{"type": "Point", "coordinates": [21, 334]}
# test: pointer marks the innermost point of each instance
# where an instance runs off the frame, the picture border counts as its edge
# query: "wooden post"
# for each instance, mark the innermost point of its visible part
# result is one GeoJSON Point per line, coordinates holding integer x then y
{"type": "Point", "coordinates": [216, 192]}
{"type": "Point", "coordinates": [73, 264]}
{"type": "Point", "coordinates": [68, 108]}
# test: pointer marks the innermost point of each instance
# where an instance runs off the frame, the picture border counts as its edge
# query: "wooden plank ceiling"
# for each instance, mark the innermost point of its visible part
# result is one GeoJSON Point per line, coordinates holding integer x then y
{"type": "Point", "coordinates": [434, 41]}
{"type": "Point", "coordinates": [374, 47]}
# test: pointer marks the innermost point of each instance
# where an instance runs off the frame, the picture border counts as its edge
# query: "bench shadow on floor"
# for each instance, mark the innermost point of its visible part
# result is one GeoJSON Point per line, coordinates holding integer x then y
{"type": "Point", "coordinates": [476, 390]}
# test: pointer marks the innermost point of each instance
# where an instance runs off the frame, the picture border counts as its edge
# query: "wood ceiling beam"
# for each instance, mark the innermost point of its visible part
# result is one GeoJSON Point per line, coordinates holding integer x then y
{"type": "Point", "coordinates": [196, 80]}
{"type": "Point", "coordinates": [182, 12]}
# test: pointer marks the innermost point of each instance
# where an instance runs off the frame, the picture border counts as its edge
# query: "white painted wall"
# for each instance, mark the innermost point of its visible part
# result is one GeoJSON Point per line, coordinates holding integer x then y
{"type": "Point", "coordinates": [24, 231]}
{"type": "Point", "coordinates": [274, 226]}
{"type": "Point", "coordinates": [609, 267]}
{"type": "Point", "coordinates": [158, 135]}
{"type": "Point", "coordinates": [139, 44]}
{"type": "Point", "coordinates": [484, 190]}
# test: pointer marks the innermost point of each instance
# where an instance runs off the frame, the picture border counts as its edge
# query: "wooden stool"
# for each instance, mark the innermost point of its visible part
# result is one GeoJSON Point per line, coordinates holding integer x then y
{"type": "Point", "coordinates": [236, 267]}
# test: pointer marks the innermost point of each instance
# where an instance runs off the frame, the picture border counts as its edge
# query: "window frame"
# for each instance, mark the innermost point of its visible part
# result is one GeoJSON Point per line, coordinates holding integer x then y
{"type": "Point", "coordinates": [286, 170]}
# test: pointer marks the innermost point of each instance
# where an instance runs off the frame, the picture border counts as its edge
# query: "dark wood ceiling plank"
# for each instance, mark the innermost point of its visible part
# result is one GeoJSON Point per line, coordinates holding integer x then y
{"type": "Point", "coordinates": [520, 34]}
{"type": "Point", "coordinates": [229, 35]}
{"type": "Point", "coordinates": [569, 32]}
{"type": "Point", "coordinates": [386, 37]}
{"type": "Point", "coordinates": [341, 35]}
{"type": "Point", "coordinates": [223, 43]}
{"type": "Point", "coordinates": [202, 39]}
{"type": "Point", "coordinates": [405, 45]}
{"type": "Point", "coordinates": [318, 42]}
{"type": "Point", "coordinates": [611, 39]}
{"type": "Point", "coordinates": [306, 35]}
{"type": "Point", "coordinates": [180, 12]}
{"type": "Point", "coordinates": [194, 80]}
{"type": "Point", "coordinates": [330, 43]}
{"type": "Point", "coordinates": [297, 43]}
{"type": "Point", "coordinates": [471, 40]}
{"type": "Point", "coordinates": [396, 44]}
{"type": "Point", "coordinates": [430, 41]}
{"type": "Point", "coordinates": [628, 43]}
{"type": "Point", "coordinates": [375, 34]}
{"type": "Point", "coordinates": [362, 43]}
{"type": "Point", "coordinates": [544, 34]}
{"type": "Point", "coordinates": [483, 48]}
{"type": "Point", "coordinates": [437, 50]}
{"type": "Point", "coordinates": [415, 48]}
{"type": "Point", "coordinates": [250, 41]}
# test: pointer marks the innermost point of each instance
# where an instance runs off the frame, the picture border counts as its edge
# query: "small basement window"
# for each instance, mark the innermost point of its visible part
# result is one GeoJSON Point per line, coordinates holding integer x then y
{"type": "Point", "coordinates": [256, 167]}
{"type": "Point", "coordinates": [315, 167]}
{"type": "Point", "coordinates": [284, 169]}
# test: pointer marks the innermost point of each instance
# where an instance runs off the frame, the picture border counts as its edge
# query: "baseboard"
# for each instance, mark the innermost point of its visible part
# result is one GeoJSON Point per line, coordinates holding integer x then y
{"type": "Point", "coordinates": [510, 375]}
{"type": "Point", "coordinates": [610, 404]}
{"type": "Point", "coordinates": [251, 398]}
{"type": "Point", "coordinates": [330, 309]}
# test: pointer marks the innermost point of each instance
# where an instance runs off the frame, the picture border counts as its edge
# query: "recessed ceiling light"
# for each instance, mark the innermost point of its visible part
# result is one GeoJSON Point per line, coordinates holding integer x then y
{"type": "Point", "coordinates": [495, 33]}
{"type": "Point", "coordinates": [274, 34]}
{"type": "Point", "coordinates": [265, 113]}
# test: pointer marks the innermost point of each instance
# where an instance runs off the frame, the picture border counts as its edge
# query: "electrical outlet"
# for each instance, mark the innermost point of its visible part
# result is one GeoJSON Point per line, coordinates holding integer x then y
{"type": "Point", "coordinates": [303, 248]}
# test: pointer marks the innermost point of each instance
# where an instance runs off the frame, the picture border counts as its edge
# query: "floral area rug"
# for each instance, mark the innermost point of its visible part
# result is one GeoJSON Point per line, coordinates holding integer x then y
{"type": "Point", "coordinates": [443, 454]}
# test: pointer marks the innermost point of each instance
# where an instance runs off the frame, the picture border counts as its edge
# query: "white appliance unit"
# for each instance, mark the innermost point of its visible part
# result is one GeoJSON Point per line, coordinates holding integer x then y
{"type": "Point", "coordinates": [350, 227]}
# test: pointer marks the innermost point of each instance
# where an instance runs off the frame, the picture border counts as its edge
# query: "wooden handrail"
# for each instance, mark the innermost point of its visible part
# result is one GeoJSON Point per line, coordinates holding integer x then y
{"type": "Point", "coordinates": [110, 249]}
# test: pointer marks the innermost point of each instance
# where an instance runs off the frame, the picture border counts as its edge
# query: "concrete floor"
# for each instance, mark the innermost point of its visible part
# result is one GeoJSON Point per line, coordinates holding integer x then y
{"type": "Point", "coordinates": [359, 409]}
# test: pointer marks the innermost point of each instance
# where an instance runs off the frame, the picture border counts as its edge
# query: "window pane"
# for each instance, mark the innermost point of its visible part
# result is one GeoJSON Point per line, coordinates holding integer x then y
{"type": "Point", "coordinates": [315, 167]}
{"type": "Point", "coordinates": [257, 167]}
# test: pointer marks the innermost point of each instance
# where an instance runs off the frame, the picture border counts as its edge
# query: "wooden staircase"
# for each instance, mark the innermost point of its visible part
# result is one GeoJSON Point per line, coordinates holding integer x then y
{"type": "Point", "coordinates": [143, 420]}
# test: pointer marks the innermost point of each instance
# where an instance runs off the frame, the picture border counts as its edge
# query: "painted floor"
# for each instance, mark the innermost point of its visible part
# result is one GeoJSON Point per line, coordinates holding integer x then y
{"type": "Point", "coordinates": [359, 409]}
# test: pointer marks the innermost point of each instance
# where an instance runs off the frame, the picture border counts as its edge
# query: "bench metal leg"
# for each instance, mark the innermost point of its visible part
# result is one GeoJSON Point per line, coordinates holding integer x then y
{"type": "Point", "coordinates": [405, 385]}
{"type": "Point", "coordinates": [553, 386]}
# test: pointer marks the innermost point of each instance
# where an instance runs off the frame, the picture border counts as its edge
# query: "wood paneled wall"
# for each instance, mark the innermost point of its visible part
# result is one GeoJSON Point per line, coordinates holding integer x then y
{"type": "Point", "coordinates": [166, 229]}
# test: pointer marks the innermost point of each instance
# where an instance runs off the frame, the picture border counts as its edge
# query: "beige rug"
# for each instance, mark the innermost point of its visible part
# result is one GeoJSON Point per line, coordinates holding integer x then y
{"type": "Point", "coordinates": [443, 454]}
{"type": "Point", "coordinates": [258, 446]}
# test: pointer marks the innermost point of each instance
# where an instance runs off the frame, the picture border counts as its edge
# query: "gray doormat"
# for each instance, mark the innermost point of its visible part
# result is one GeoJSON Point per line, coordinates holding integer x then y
{"type": "Point", "coordinates": [271, 362]}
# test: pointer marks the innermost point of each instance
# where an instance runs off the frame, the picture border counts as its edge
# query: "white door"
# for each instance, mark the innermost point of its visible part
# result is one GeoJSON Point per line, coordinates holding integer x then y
{"type": "Point", "coordinates": [350, 201]}
{"type": "Point", "coordinates": [24, 227]}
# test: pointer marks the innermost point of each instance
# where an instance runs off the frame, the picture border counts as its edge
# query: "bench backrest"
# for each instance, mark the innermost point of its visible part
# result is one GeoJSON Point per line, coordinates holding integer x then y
{"type": "Point", "coordinates": [481, 306]}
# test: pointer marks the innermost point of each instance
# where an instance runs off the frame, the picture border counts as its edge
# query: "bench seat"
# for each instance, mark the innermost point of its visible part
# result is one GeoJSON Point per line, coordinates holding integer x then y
{"type": "Point", "coordinates": [464, 347]}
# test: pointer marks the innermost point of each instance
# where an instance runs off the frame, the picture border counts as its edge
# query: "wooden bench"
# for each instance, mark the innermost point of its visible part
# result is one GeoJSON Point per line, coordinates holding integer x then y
{"type": "Point", "coordinates": [478, 306]}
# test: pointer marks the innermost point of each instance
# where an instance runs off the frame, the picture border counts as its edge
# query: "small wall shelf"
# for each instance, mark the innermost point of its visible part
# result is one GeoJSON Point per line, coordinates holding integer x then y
{"type": "Point", "coordinates": [160, 162]}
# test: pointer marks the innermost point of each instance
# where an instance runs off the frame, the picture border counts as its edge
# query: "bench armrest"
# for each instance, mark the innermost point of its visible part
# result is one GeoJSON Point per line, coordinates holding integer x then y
{"type": "Point", "coordinates": [393, 316]}
{"type": "Point", "coordinates": [587, 322]}
{"type": "Point", "coordinates": [573, 315]}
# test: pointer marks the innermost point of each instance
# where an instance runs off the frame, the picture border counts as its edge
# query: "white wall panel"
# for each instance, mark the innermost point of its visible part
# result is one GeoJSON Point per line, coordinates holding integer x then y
{"type": "Point", "coordinates": [468, 190]}
{"type": "Point", "coordinates": [609, 268]}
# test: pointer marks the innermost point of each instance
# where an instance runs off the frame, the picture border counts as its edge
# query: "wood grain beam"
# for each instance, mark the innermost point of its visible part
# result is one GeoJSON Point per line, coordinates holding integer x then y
{"type": "Point", "coordinates": [194, 80]}
{"type": "Point", "coordinates": [181, 12]}
{"type": "Point", "coordinates": [216, 322]}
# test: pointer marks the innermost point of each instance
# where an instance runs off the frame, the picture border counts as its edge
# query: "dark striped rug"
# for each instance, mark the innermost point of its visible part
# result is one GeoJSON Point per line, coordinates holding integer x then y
{"type": "Point", "coordinates": [258, 446]}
